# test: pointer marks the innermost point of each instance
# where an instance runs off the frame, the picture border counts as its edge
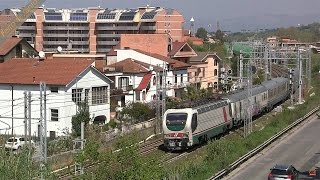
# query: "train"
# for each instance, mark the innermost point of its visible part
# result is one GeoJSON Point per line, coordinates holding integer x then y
{"type": "Point", "coordinates": [185, 127]}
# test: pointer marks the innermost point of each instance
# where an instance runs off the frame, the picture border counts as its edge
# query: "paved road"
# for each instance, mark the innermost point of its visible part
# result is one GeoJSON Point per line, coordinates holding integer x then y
{"type": "Point", "coordinates": [300, 148]}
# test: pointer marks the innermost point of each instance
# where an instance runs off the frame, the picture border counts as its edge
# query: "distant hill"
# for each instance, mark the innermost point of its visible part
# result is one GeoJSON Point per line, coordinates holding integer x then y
{"type": "Point", "coordinates": [266, 21]}
{"type": "Point", "coordinates": [303, 33]}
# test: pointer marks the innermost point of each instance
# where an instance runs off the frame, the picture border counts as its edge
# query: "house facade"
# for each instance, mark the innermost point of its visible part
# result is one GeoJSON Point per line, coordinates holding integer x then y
{"type": "Point", "coordinates": [138, 70]}
{"type": "Point", "coordinates": [205, 70]}
{"type": "Point", "coordinates": [68, 83]}
{"type": "Point", "coordinates": [14, 47]}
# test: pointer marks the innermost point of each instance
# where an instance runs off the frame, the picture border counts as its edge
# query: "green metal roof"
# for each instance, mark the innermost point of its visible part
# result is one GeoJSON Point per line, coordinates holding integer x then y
{"type": "Point", "coordinates": [244, 48]}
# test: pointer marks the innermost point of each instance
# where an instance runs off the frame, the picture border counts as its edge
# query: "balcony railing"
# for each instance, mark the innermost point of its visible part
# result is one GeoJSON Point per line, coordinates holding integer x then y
{"type": "Point", "coordinates": [73, 49]}
{"type": "Point", "coordinates": [178, 85]}
{"type": "Point", "coordinates": [83, 28]}
{"type": "Point", "coordinates": [103, 50]}
{"type": "Point", "coordinates": [80, 42]}
{"type": "Point", "coordinates": [110, 43]}
{"type": "Point", "coordinates": [149, 28]}
{"type": "Point", "coordinates": [108, 35]}
{"type": "Point", "coordinates": [65, 35]}
{"type": "Point", "coordinates": [55, 42]}
{"type": "Point", "coordinates": [111, 28]}
{"type": "Point", "coordinates": [27, 28]}
{"type": "Point", "coordinates": [27, 34]}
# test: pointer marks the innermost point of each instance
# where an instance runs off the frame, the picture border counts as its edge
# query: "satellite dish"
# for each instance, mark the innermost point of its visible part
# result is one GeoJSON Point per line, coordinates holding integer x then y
{"type": "Point", "coordinates": [59, 49]}
{"type": "Point", "coordinates": [151, 68]}
{"type": "Point", "coordinates": [41, 54]}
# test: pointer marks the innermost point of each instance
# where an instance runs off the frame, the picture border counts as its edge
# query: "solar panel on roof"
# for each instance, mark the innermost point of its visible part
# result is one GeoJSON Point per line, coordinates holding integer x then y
{"type": "Point", "coordinates": [78, 16]}
{"type": "Point", "coordinates": [106, 16]}
{"type": "Point", "coordinates": [53, 16]}
{"type": "Point", "coordinates": [148, 15]}
{"type": "Point", "coordinates": [127, 16]}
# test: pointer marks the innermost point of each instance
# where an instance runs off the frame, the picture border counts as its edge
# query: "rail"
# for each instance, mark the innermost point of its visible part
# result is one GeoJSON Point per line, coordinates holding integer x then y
{"type": "Point", "coordinates": [262, 146]}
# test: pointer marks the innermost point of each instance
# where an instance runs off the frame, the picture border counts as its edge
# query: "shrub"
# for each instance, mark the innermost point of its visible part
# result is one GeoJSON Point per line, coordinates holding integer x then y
{"type": "Point", "coordinates": [112, 124]}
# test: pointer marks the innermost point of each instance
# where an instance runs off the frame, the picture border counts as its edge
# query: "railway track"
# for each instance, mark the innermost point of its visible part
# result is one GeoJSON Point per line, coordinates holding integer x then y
{"type": "Point", "coordinates": [145, 148]}
{"type": "Point", "coordinates": [150, 147]}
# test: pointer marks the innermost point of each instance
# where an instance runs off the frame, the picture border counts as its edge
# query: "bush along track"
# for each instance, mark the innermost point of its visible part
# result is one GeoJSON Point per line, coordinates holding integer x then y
{"type": "Point", "coordinates": [223, 152]}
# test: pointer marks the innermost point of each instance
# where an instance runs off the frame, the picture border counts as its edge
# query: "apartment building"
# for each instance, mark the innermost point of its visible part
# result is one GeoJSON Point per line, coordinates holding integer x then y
{"type": "Point", "coordinates": [93, 30]}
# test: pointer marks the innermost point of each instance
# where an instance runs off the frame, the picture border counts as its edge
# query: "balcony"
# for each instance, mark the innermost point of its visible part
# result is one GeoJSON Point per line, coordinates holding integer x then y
{"type": "Point", "coordinates": [178, 85]}
{"type": "Point", "coordinates": [109, 43]}
{"type": "Point", "coordinates": [55, 42]}
{"type": "Point", "coordinates": [115, 28]}
{"type": "Point", "coordinates": [103, 50]}
{"type": "Point", "coordinates": [26, 34]}
{"type": "Point", "coordinates": [80, 42]}
{"type": "Point", "coordinates": [148, 28]}
{"type": "Point", "coordinates": [83, 28]}
{"type": "Point", "coordinates": [73, 49]}
{"type": "Point", "coordinates": [108, 35]}
{"type": "Point", "coordinates": [65, 35]}
{"type": "Point", "coordinates": [27, 28]}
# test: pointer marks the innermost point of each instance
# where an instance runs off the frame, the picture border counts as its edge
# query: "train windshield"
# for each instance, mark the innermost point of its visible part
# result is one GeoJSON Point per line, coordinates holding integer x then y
{"type": "Point", "coordinates": [176, 121]}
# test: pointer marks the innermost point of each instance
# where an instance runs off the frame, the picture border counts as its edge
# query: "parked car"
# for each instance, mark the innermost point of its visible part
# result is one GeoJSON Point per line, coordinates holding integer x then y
{"type": "Point", "coordinates": [16, 143]}
{"type": "Point", "coordinates": [283, 172]}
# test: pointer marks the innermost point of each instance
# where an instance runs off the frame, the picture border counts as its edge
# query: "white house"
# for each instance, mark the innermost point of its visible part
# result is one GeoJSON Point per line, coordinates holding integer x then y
{"type": "Point", "coordinates": [135, 73]}
{"type": "Point", "coordinates": [68, 82]}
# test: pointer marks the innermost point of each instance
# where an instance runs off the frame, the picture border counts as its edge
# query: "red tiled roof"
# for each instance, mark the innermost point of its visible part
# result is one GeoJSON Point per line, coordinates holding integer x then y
{"type": "Point", "coordinates": [32, 71]}
{"type": "Point", "coordinates": [173, 62]}
{"type": "Point", "coordinates": [176, 46]}
{"type": "Point", "coordinates": [129, 66]}
{"type": "Point", "coordinates": [8, 44]}
{"type": "Point", "coordinates": [144, 82]}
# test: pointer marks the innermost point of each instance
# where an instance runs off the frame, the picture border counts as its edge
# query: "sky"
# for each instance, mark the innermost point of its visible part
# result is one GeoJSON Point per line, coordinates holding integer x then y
{"type": "Point", "coordinates": [232, 15]}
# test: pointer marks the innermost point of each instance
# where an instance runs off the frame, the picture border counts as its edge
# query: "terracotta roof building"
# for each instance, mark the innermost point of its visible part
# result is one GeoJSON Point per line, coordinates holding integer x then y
{"type": "Point", "coordinates": [33, 71]}
{"type": "Point", "coordinates": [68, 83]}
{"type": "Point", "coordinates": [14, 47]}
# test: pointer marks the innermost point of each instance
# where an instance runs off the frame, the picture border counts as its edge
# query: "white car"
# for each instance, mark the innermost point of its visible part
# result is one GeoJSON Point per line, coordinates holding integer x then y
{"type": "Point", "coordinates": [16, 143]}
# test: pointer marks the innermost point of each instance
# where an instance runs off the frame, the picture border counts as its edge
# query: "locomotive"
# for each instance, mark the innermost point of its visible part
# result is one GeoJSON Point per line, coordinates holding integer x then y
{"type": "Point", "coordinates": [186, 127]}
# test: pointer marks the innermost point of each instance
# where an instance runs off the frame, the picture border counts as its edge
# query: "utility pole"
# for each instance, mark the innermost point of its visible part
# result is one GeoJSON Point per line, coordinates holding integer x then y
{"type": "Point", "coordinates": [164, 92]}
{"type": "Point", "coordinates": [29, 118]}
{"type": "Point", "coordinates": [43, 129]}
{"type": "Point", "coordinates": [300, 76]}
{"type": "Point", "coordinates": [25, 116]}
{"type": "Point", "coordinates": [241, 69]}
{"type": "Point", "coordinates": [266, 58]}
{"type": "Point", "coordinates": [309, 68]}
{"type": "Point", "coordinates": [157, 99]}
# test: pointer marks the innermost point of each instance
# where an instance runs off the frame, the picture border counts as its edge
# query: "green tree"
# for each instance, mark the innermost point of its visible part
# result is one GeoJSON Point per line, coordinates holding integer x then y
{"type": "Point", "coordinates": [137, 112]}
{"type": "Point", "coordinates": [202, 33]}
{"type": "Point", "coordinates": [83, 115]}
{"type": "Point", "coordinates": [259, 77]}
{"type": "Point", "coordinates": [193, 93]}
{"type": "Point", "coordinates": [220, 35]}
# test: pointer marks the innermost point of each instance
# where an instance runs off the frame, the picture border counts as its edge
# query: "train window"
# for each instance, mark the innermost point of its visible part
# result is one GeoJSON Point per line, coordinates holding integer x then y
{"type": "Point", "coordinates": [194, 122]}
{"type": "Point", "coordinates": [176, 121]}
